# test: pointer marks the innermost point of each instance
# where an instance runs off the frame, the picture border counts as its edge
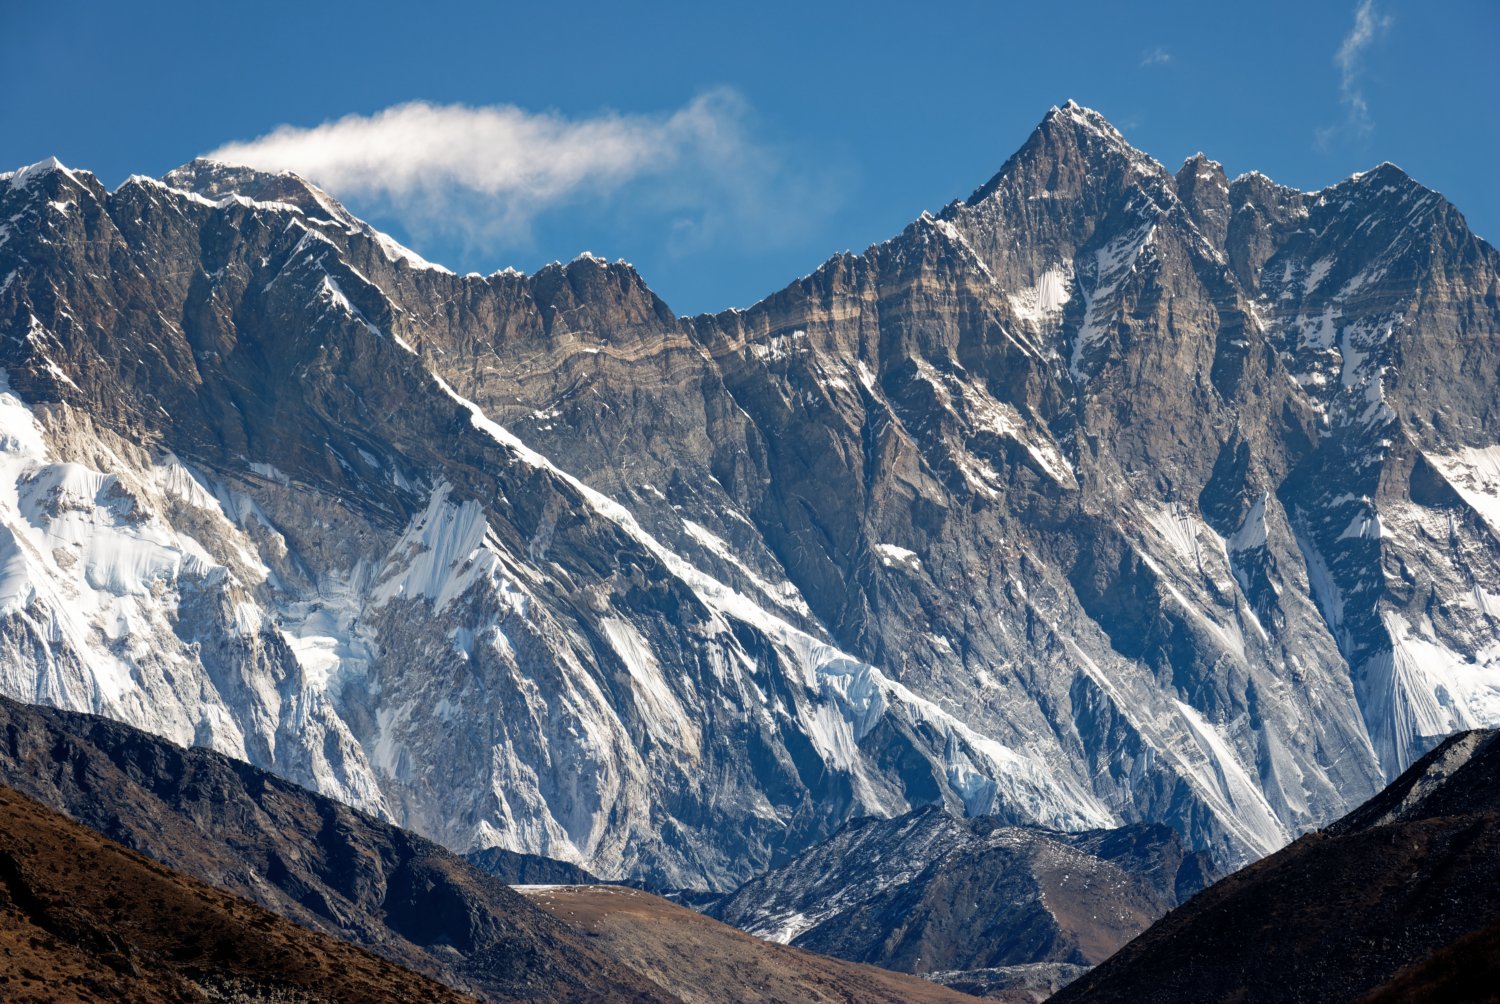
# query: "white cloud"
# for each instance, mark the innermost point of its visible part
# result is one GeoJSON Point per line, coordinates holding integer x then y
{"type": "Point", "coordinates": [1368, 26]}
{"type": "Point", "coordinates": [1156, 57]}
{"type": "Point", "coordinates": [484, 174]}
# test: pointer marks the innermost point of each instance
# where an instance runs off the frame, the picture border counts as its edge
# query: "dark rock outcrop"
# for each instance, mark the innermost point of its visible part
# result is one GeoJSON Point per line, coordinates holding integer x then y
{"type": "Point", "coordinates": [1396, 901]}
{"type": "Point", "coordinates": [515, 868]}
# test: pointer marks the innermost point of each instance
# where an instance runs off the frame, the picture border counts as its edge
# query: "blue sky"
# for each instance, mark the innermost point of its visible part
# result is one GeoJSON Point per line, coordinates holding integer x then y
{"type": "Point", "coordinates": [727, 149]}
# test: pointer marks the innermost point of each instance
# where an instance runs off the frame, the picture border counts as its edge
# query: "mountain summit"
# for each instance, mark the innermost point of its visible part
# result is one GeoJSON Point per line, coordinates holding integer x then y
{"type": "Point", "coordinates": [1107, 495]}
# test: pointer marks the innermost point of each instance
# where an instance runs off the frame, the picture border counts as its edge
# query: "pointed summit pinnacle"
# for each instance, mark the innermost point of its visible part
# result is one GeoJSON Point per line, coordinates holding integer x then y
{"type": "Point", "coordinates": [22, 177]}
{"type": "Point", "coordinates": [1069, 146]}
{"type": "Point", "coordinates": [1087, 119]}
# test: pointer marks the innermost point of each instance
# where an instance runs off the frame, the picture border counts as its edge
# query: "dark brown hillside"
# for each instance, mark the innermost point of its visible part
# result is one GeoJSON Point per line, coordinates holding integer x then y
{"type": "Point", "coordinates": [705, 962]}
{"type": "Point", "coordinates": [83, 919]}
{"type": "Point", "coordinates": [1398, 895]}
{"type": "Point", "coordinates": [1467, 970]}
{"type": "Point", "coordinates": [305, 857]}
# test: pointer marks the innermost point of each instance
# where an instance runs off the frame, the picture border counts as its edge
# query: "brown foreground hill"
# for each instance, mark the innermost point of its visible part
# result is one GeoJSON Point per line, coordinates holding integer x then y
{"type": "Point", "coordinates": [307, 858]}
{"type": "Point", "coordinates": [84, 919]}
{"type": "Point", "coordinates": [1394, 902]}
{"type": "Point", "coordinates": [702, 961]}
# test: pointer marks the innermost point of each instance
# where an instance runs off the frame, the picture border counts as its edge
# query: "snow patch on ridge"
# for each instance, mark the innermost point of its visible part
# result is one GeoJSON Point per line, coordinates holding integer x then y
{"type": "Point", "coordinates": [22, 178]}
{"type": "Point", "coordinates": [1474, 472]}
{"type": "Point", "coordinates": [1252, 531]}
{"type": "Point", "coordinates": [783, 594]}
{"type": "Point", "coordinates": [665, 716]}
{"type": "Point", "coordinates": [1419, 690]}
{"type": "Point", "coordinates": [1042, 303]}
{"type": "Point", "coordinates": [395, 251]}
{"type": "Point", "coordinates": [1220, 774]}
{"type": "Point", "coordinates": [440, 554]}
{"type": "Point", "coordinates": [892, 556]}
{"type": "Point", "coordinates": [330, 291]}
{"type": "Point", "coordinates": [1112, 265]}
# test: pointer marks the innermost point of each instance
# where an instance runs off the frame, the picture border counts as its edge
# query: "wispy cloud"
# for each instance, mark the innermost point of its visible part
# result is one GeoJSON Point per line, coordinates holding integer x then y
{"type": "Point", "coordinates": [483, 175]}
{"type": "Point", "coordinates": [1156, 56]}
{"type": "Point", "coordinates": [1368, 26]}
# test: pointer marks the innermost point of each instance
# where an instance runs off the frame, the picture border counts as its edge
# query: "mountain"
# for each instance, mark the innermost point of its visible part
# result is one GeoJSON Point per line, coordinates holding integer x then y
{"type": "Point", "coordinates": [87, 920]}
{"type": "Point", "coordinates": [1394, 901]}
{"type": "Point", "coordinates": [931, 893]}
{"type": "Point", "coordinates": [1106, 496]}
{"type": "Point", "coordinates": [306, 857]}
{"type": "Point", "coordinates": [705, 962]}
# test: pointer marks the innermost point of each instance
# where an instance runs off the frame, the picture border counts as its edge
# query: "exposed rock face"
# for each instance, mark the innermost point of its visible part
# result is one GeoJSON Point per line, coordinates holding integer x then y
{"type": "Point", "coordinates": [1396, 901]}
{"type": "Point", "coordinates": [1028, 984]}
{"type": "Point", "coordinates": [929, 892]}
{"type": "Point", "coordinates": [515, 868]}
{"type": "Point", "coordinates": [306, 857]}
{"type": "Point", "coordinates": [1105, 496]}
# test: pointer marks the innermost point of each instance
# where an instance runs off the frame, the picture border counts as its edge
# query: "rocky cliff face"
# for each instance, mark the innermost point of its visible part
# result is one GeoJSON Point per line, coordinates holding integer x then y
{"type": "Point", "coordinates": [1106, 495]}
{"type": "Point", "coordinates": [932, 893]}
